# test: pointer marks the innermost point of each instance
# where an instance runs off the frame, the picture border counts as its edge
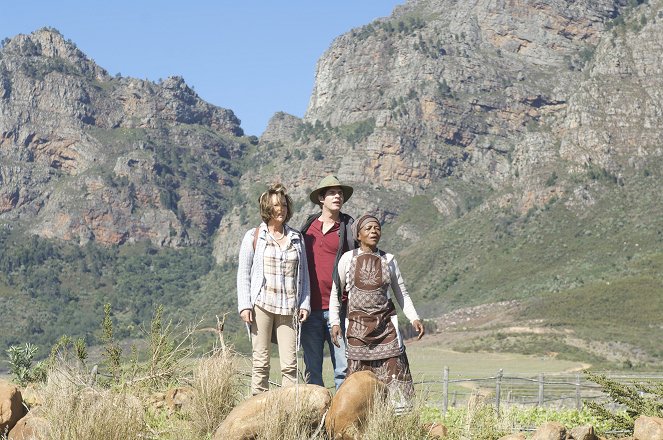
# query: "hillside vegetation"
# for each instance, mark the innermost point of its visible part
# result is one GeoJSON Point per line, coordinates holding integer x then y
{"type": "Point", "coordinates": [594, 271]}
{"type": "Point", "coordinates": [590, 264]}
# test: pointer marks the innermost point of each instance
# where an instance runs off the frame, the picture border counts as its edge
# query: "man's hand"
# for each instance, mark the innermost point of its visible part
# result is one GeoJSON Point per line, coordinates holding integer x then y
{"type": "Point", "coordinates": [335, 334]}
{"type": "Point", "coordinates": [303, 315]}
{"type": "Point", "coordinates": [419, 328]}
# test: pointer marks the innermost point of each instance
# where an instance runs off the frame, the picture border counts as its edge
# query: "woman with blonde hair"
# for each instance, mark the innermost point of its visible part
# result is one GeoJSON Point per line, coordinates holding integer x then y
{"type": "Point", "coordinates": [273, 287]}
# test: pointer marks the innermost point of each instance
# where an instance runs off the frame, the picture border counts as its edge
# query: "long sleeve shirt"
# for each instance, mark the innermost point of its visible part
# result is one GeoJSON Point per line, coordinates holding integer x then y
{"type": "Point", "coordinates": [250, 270]}
{"type": "Point", "coordinates": [396, 283]}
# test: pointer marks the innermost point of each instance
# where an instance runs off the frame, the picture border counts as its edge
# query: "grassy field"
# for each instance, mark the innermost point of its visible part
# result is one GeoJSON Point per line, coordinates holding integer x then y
{"type": "Point", "coordinates": [427, 365]}
{"type": "Point", "coordinates": [429, 362]}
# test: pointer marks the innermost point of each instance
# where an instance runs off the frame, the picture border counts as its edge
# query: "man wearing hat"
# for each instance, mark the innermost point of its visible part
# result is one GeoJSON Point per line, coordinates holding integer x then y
{"type": "Point", "coordinates": [327, 236]}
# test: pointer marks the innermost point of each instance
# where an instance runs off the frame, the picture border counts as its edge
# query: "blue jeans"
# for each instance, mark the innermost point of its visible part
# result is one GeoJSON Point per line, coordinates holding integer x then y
{"type": "Point", "coordinates": [316, 330]}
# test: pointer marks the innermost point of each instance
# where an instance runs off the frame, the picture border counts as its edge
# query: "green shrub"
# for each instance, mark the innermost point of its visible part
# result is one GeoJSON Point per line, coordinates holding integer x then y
{"type": "Point", "coordinates": [112, 352]}
{"type": "Point", "coordinates": [20, 364]}
{"type": "Point", "coordinates": [638, 399]}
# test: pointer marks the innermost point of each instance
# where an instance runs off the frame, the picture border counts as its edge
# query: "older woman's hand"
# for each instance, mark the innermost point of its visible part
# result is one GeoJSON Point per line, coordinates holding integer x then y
{"type": "Point", "coordinates": [303, 315]}
{"type": "Point", "coordinates": [246, 315]}
{"type": "Point", "coordinates": [419, 328]}
{"type": "Point", "coordinates": [335, 334]}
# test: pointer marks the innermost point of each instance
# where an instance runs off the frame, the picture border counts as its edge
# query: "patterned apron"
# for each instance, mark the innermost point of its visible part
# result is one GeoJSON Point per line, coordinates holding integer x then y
{"type": "Point", "coordinates": [373, 341]}
{"type": "Point", "coordinates": [371, 333]}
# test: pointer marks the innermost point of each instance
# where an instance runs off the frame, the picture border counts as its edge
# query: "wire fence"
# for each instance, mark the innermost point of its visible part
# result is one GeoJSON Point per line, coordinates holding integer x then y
{"type": "Point", "coordinates": [446, 390]}
{"type": "Point", "coordinates": [558, 390]}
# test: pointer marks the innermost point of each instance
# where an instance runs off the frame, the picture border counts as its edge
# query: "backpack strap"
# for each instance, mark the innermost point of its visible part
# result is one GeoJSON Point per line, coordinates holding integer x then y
{"type": "Point", "coordinates": [255, 238]}
{"type": "Point", "coordinates": [348, 242]}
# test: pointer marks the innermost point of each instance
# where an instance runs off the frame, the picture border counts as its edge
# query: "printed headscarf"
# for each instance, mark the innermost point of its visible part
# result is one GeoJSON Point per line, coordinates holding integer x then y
{"type": "Point", "coordinates": [356, 226]}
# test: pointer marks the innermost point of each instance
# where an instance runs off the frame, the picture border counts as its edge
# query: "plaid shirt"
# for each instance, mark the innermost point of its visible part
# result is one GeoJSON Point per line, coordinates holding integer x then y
{"type": "Point", "coordinates": [280, 269]}
{"type": "Point", "coordinates": [250, 270]}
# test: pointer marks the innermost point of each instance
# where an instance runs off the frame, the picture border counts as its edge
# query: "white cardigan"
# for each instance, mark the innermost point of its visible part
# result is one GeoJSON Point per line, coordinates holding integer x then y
{"type": "Point", "coordinates": [250, 277]}
{"type": "Point", "coordinates": [397, 286]}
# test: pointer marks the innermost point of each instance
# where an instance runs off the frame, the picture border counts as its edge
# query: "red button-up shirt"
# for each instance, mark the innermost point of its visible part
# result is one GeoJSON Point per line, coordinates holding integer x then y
{"type": "Point", "coordinates": [321, 254]}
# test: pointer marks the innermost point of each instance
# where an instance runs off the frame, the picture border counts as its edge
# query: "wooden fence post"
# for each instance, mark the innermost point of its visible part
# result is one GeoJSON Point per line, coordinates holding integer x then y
{"type": "Point", "coordinates": [541, 389]}
{"type": "Point", "coordinates": [445, 390]}
{"type": "Point", "coordinates": [578, 399]}
{"type": "Point", "coordinates": [498, 390]}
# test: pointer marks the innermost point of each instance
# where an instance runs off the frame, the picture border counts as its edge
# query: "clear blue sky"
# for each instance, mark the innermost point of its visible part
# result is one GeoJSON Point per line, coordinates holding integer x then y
{"type": "Point", "coordinates": [253, 57]}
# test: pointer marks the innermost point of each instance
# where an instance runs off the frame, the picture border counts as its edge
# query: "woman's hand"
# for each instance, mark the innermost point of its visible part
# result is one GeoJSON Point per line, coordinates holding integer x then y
{"type": "Point", "coordinates": [303, 315]}
{"type": "Point", "coordinates": [419, 328]}
{"type": "Point", "coordinates": [335, 334]}
{"type": "Point", "coordinates": [246, 315]}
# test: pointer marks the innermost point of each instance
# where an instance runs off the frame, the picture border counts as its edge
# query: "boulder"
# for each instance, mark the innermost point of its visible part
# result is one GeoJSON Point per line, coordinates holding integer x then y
{"type": "Point", "coordinates": [550, 431]}
{"type": "Point", "coordinates": [156, 400]}
{"type": "Point", "coordinates": [32, 396]}
{"type": "Point", "coordinates": [177, 399]}
{"type": "Point", "coordinates": [648, 428]}
{"type": "Point", "coordinates": [248, 418]}
{"type": "Point", "coordinates": [31, 427]}
{"type": "Point", "coordinates": [11, 406]}
{"type": "Point", "coordinates": [351, 404]}
{"type": "Point", "coordinates": [436, 430]}
{"type": "Point", "coordinates": [584, 432]}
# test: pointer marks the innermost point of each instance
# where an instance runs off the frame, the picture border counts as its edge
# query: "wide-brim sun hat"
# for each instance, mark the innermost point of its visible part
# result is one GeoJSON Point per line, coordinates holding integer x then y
{"type": "Point", "coordinates": [330, 182]}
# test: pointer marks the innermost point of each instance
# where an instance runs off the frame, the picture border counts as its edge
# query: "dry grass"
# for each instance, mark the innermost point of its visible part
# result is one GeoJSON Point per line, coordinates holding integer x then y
{"type": "Point", "coordinates": [480, 421]}
{"type": "Point", "coordinates": [79, 412]}
{"type": "Point", "coordinates": [287, 418]}
{"type": "Point", "coordinates": [217, 390]}
{"type": "Point", "coordinates": [78, 409]}
{"type": "Point", "coordinates": [383, 422]}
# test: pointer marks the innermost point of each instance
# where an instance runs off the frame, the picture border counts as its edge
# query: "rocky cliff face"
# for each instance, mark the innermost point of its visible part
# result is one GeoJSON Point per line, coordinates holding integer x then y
{"type": "Point", "coordinates": [491, 94]}
{"type": "Point", "coordinates": [452, 100]}
{"type": "Point", "coordinates": [459, 87]}
{"type": "Point", "coordinates": [85, 156]}
{"type": "Point", "coordinates": [614, 115]}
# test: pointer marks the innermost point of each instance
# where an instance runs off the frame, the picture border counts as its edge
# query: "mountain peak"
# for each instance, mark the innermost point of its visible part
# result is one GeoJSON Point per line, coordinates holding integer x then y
{"type": "Point", "coordinates": [49, 44]}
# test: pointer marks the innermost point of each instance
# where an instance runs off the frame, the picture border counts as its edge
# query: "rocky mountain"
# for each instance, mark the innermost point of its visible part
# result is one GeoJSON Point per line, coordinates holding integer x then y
{"type": "Point", "coordinates": [480, 89]}
{"type": "Point", "coordinates": [512, 148]}
{"type": "Point", "coordinates": [88, 157]}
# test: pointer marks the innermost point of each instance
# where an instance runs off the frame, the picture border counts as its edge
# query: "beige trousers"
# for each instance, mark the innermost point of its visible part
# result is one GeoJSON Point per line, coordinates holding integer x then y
{"type": "Point", "coordinates": [261, 339]}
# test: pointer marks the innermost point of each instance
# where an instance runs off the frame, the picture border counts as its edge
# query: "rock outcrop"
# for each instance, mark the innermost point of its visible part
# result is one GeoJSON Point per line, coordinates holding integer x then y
{"type": "Point", "coordinates": [443, 115]}
{"type": "Point", "coordinates": [306, 403]}
{"type": "Point", "coordinates": [650, 428]}
{"type": "Point", "coordinates": [11, 406]}
{"type": "Point", "coordinates": [89, 157]}
{"type": "Point", "coordinates": [448, 99]}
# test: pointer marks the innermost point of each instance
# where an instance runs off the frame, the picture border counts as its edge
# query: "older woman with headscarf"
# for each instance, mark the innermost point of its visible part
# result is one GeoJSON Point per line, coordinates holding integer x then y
{"type": "Point", "coordinates": [372, 338]}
